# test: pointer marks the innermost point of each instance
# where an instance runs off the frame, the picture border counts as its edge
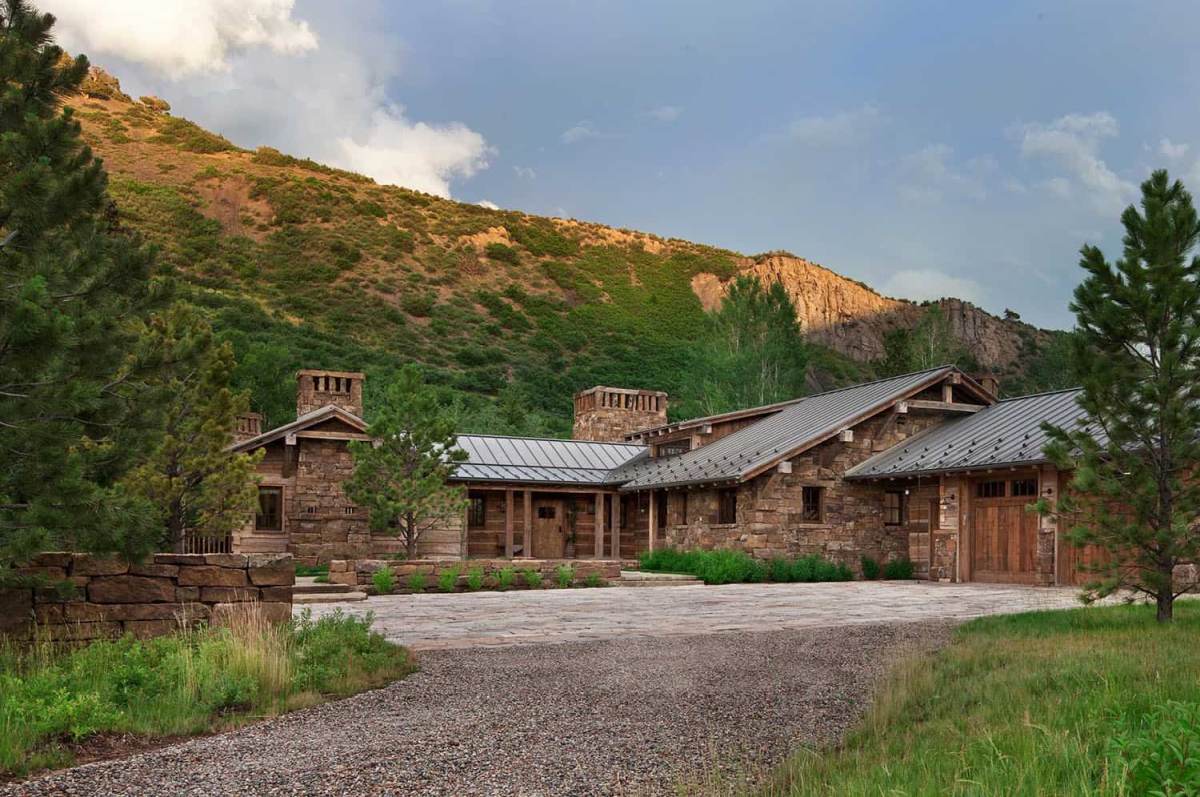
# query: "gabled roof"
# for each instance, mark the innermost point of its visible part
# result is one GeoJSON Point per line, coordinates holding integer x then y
{"type": "Point", "coordinates": [721, 417]}
{"type": "Point", "coordinates": [493, 458]}
{"type": "Point", "coordinates": [1006, 434]}
{"type": "Point", "coordinates": [793, 429]}
{"type": "Point", "coordinates": [305, 421]}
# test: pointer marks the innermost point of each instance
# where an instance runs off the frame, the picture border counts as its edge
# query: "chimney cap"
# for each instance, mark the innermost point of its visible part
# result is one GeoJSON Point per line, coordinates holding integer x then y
{"type": "Point", "coordinates": [325, 372]}
{"type": "Point", "coordinates": [622, 390]}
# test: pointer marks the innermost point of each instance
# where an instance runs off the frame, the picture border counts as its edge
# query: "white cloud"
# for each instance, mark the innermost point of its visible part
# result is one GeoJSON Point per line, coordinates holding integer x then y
{"type": "Point", "coordinates": [276, 86]}
{"type": "Point", "coordinates": [525, 172]}
{"type": "Point", "coordinates": [1059, 186]}
{"type": "Point", "coordinates": [580, 131]}
{"type": "Point", "coordinates": [927, 284]}
{"type": "Point", "coordinates": [665, 113]}
{"type": "Point", "coordinates": [1171, 150]}
{"type": "Point", "coordinates": [1073, 143]}
{"type": "Point", "coordinates": [487, 203]}
{"type": "Point", "coordinates": [931, 174]}
{"type": "Point", "coordinates": [843, 127]}
{"type": "Point", "coordinates": [181, 38]}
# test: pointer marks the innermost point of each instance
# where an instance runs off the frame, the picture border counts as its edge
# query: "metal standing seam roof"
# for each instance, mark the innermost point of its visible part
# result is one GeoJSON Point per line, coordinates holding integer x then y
{"type": "Point", "coordinates": [1006, 433]}
{"type": "Point", "coordinates": [527, 459]}
{"type": "Point", "coordinates": [808, 421]}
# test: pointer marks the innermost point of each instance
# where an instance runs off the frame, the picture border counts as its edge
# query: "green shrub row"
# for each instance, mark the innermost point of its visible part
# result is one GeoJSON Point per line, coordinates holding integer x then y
{"type": "Point", "coordinates": [732, 567]}
{"type": "Point", "coordinates": [895, 570]}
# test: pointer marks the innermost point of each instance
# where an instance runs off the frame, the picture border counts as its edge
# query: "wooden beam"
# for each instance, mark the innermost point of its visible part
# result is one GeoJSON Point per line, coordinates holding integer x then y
{"type": "Point", "coordinates": [616, 527]}
{"type": "Point", "coordinates": [653, 518]}
{"type": "Point", "coordinates": [508, 524]}
{"type": "Point", "coordinates": [582, 490]}
{"type": "Point", "coordinates": [947, 392]}
{"type": "Point", "coordinates": [943, 406]}
{"type": "Point", "coordinates": [528, 524]}
{"type": "Point", "coordinates": [599, 525]}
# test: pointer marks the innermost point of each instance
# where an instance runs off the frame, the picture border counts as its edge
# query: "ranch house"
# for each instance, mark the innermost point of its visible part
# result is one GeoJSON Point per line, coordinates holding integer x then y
{"type": "Point", "coordinates": [930, 466]}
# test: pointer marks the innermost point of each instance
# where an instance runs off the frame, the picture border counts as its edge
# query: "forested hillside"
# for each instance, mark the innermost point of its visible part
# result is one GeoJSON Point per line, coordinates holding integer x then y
{"type": "Point", "coordinates": [302, 265]}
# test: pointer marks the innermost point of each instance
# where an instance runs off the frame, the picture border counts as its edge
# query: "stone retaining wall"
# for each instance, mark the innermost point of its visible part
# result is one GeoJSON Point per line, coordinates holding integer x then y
{"type": "Point", "coordinates": [358, 572]}
{"type": "Point", "coordinates": [107, 598]}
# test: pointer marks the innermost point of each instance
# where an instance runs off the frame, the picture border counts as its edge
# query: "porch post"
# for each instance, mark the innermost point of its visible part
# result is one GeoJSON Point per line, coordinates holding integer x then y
{"type": "Point", "coordinates": [528, 524]}
{"type": "Point", "coordinates": [616, 526]}
{"type": "Point", "coordinates": [508, 524]}
{"type": "Point", "coordinates": [599, 525]}
{"type": "Point", "coordinates": [653, 518]}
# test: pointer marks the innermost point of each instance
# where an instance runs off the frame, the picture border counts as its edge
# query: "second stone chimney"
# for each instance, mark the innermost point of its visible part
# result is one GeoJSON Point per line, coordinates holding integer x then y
{"type": "Point", "coordinates": [316, 389]}
{"type": "Point", "coordinates": [607, 414]}
{"type": "Point", "coordinates": [249, 424]}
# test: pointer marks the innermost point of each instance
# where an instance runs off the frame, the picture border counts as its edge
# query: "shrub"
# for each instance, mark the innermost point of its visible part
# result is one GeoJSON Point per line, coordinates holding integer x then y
{"type": "Point", "coordinates": [594, 580]}
{"type": "Point", "coordinates": [504, 579]}
{"type": "Point", "coordinates": [384, 580]}
{"type": "Point", "coordinates": [729, 567]}
{"type": "Point", "coordinates": [780, 570]}
{"type": "Point", "coordinates": [475, 579]}
{"type": "Point", "coordinates": [505, 254]}
{"type": "Point", "coordinates": [416, 581]}
{"type": "Point", "coordinates": [870, 568]}
{"type": "Point", "coordinates": [533, 578]}
{"type": "Point", "coordinates": [1159, 752]}
{"type": "Point", "coordinates": [564, 575]}
{"type": "Point", "coordinates": [448, 580]}
{"type": "Point", "coordinates": [898, 569]}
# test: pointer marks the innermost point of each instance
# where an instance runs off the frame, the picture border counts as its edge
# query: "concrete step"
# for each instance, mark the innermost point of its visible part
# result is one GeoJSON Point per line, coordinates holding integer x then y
{"type": "Point", "coordinates": [328, 597]}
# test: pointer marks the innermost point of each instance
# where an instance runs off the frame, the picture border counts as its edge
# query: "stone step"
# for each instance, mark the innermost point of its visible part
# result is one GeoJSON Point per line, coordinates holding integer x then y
{"type": "Point", "coordinates": [643, 575]}
{"type": "Point", "coordinates": [649, 582]}
{"type": "Point", "coordinates": [321, 589]}
{"type": "Point", "coordinates": [329, 597]}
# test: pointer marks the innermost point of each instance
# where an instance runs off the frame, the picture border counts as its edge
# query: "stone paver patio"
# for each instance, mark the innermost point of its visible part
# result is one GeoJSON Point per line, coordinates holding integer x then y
{"type": "Point", "coordinates": [496, 619]}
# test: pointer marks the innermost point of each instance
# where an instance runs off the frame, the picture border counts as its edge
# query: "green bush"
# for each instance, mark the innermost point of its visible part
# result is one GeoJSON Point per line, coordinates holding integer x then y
{"type": "Point", "coordinates": [780, 570]}
{"type": "Point", "coordinates": [416, 581]}
{"type": "Point", "coordinates": [533, 578]}
{"type": "Point", "coordinates": [448, 579]}
{"type": "Point", "coordinates": [730, 567]}
{"type": "Point", "coordinates": [594, 580]}
{"type": "Point", "coordinates": [475, 579]}
{"type": "Point", "coordinates": [384, 580]}
{"type": "Point", "coordinates": [505, 578]}
{"type": "Point", "coordinates": [1159, 752]}
{"type": "Point", "coordinates": [188, 682]}
{"type": "Point", "coordinates": [870, 568]}
{"type": "Point", "coordinates": [505, 254]}
{"type": "Point", "coordinates": [564, 575]}
{"type": "Point", "coordinates": [898, 570]}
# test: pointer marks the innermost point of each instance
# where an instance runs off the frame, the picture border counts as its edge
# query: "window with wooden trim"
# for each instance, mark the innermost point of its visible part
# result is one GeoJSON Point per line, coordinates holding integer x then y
{"type": "Point", "coordinates": [893, 508]}
{"type": "Point", "coordinates": [1024, 488]}
{"type": "Point", "coordinates": [727, 505]}
{"type": "Point", "coordinates": [269, 516]}
{"type": "Point", "coordinates": [993, 489]}
{"type": "Point", "coordinates": [812, 504]}
{"type": "Point", "coordinates": [477, 511]}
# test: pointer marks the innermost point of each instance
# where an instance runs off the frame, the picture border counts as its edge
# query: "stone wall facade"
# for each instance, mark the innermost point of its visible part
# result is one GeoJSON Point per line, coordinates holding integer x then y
{"type": "Point", "coordinates": [608, 414]}
{"type": "Point", "coordinates": [104, 598]}
{"type": "Point", "coordinates": [358, 573]}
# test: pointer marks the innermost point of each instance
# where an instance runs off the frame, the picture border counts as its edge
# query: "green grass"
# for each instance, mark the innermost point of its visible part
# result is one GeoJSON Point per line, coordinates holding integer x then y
{"type": "Point", "coordinates": [189, 682]}
{"type": "Point", "coordinates": [732, 567]}
{"type": "Point", "coordinates": [1086, 701]}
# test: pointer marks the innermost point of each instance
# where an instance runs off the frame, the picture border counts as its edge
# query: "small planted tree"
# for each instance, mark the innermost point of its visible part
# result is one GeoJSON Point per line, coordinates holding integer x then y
{"type": "Point", "coordinates": [1135, 492]}
{"type": "Point", "coordinates": [400, 476]}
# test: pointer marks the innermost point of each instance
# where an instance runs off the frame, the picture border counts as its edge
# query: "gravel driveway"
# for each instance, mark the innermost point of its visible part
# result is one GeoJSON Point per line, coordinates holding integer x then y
{"type": "Point", "coordinates": [618, 716]}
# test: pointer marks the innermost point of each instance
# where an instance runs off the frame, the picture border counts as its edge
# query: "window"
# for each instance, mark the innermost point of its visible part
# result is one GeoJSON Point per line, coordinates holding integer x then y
{"type": "Point", "coordinates": [1024, 488]}
{"type": "Point", "coordinates": [674, 447]}
{"type": "Point", "coordinates": [810, 504]}
{"type": "Point", "coordinates": [270, 509]}
{"type": "Point", "coordinates": [727, 505]}
{"type": "Point", "coordinates": [546, 513]}
{"type": "Point", "coordinates": [893, 508]}
{"type": "Point", "coordinates": [477, 512]}
{"type": "Point", "coordinates": [660, 509]}
{"type": "Point", "coordinates": [989, 489]}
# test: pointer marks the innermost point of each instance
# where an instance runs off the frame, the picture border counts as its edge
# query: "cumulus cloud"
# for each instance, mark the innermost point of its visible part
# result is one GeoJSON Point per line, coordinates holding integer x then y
{"type": "Point", "coordinates": [525, 172]}
{"type": "Point", "coordinates": [927, 284]}
{"type": "Point", "coordinates": [1170, 150]}
{"type": "Point", "coordinates": [842, 127]}
{"type": "Point", "coordinates": [1072, 142]}
{"type": "Point", "coordinates": [665, 113]}
{"type": "Point", "coordinates": [932, 173]}
{"type": "Point", "coordinates": [580, 131]}
{"type": "Point", "coordinates": [327, 101]}
{"type": "Point", "coordinates": [181, 39]}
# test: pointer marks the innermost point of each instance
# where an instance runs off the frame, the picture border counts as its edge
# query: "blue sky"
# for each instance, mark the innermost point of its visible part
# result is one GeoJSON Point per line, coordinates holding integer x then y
{"type": "Point", "coordinates": [926, 148]}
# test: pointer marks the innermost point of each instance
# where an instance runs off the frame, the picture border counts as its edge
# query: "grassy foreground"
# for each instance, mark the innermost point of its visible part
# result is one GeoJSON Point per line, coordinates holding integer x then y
{"type": "Point", "coordinates": [1085, 701]}
{"type": "Point", "coordinates": [190, 682]}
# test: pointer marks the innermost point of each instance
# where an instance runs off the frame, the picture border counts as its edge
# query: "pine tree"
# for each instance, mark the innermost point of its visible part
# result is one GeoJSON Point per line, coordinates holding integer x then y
{"type": "Point", "coordinates": [198, 487]}
{"type": "Point", "coordinates": [1136, 348]}
{"type": "Point", "coordinates": [71, 289]}
{"type": "Point", "coordinates": [400, 476]}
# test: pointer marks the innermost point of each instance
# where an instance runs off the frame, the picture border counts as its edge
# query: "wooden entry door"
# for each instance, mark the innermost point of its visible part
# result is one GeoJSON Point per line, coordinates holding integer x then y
{"type": "Point", "coordinates": [1003, 535]}
{"type": "Point", "coordinates": [548, 520]}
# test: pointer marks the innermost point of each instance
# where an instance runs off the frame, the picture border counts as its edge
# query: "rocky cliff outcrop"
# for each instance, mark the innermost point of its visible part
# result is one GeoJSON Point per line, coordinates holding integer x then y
{"type": "Point", "coordinates": [852, 319]}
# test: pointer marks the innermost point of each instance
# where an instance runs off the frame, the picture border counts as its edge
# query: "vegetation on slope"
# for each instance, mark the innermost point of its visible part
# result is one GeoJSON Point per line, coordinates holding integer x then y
{"type": "Point", "coordinates": [1086, 701]}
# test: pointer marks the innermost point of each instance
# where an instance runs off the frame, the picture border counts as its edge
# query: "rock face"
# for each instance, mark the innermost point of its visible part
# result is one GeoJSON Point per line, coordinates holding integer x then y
{"type": "Point", "coordinates": [852, 319]}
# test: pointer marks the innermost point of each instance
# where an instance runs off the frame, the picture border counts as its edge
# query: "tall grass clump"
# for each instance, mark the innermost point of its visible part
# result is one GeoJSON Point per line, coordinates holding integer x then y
{"type": "Point", "coordinates": [194, 680]}
{"type": "Point", "coordinates": [384, 580]}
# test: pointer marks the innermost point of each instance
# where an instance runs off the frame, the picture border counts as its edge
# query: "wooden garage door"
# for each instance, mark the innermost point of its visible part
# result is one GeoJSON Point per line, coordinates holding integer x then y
{"type": "Point", "coordinates": [1003, 533]}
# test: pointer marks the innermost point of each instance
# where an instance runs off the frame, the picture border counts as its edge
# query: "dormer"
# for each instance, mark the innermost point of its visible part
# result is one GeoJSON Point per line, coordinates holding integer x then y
{"type": "Point", "coordinates": [316, 389]}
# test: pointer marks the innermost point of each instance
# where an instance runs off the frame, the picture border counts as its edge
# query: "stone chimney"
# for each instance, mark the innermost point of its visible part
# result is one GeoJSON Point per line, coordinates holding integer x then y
{"type": "Point", "coordinates": [990, 383]}
{"type": "Point", "coordinates": [607, 414]}
{"type": "Point", "coordinates": [316, 389]}
{"type": "Point", "coordinates": [249, 424]}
